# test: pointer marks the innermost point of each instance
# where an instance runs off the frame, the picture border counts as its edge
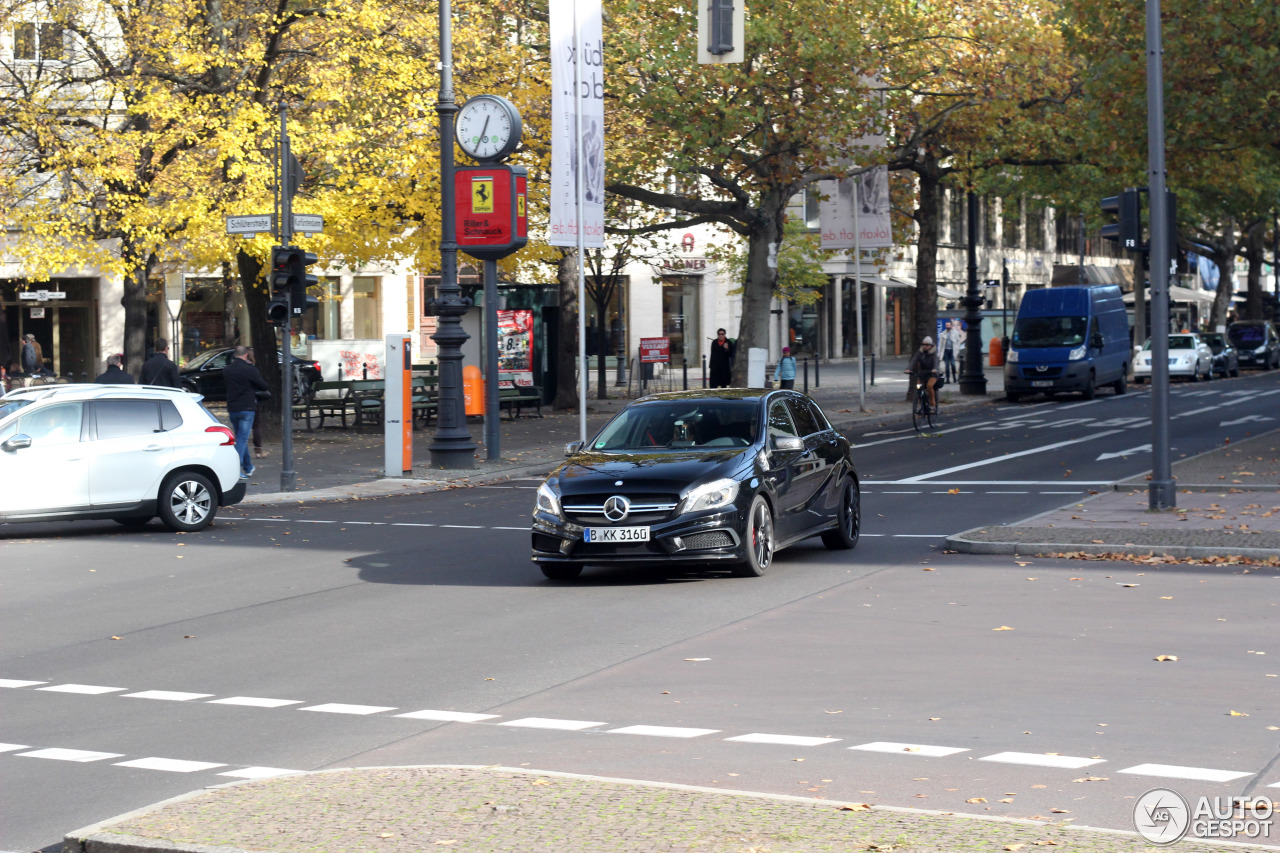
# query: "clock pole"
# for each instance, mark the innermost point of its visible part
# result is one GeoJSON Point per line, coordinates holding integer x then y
{"type": "Point", "coordinates": [451, 446]}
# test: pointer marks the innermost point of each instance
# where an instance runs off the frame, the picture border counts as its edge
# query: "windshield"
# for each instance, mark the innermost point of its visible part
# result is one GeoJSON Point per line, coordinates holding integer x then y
{"type": "Point", "coordinates": [1216, 341]}
{"type": "Point", "coordinates": [1246, 337]}
{"type": "Point", "coordinates": [1049, 331]}
{"type": "Point", "coordinates": [8, 407]}
{"type": "Point", "coordinates": [200, 359]}
{"type": "Point", "coordinates": [681, 424]}
{"type": "Point", "coordinates": [1175, 342]}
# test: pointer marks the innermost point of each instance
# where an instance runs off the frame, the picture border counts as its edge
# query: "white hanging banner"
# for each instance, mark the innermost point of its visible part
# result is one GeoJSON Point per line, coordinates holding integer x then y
{"type": "Point", "coordinates": [577, 62]}
{"type": "Point", "coordinates": [838, 215]}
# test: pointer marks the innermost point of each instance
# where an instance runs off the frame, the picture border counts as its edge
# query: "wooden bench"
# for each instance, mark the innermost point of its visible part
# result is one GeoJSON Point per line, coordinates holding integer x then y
{"type": "Point", "coordinates": [366, 400]}
{"type": "Point", "coordinates": [515, 399]}
{"type": "Point", "coordinates": [331, 399]}
{"type": "Point", "coordinates": [425, 397]}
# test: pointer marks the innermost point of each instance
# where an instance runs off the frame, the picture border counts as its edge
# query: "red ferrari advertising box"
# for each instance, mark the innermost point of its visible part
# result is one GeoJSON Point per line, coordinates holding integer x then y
{"type": "Point", "coordinates": [489, 206]}
{"type": "Point", "coordinates": [655, 350]}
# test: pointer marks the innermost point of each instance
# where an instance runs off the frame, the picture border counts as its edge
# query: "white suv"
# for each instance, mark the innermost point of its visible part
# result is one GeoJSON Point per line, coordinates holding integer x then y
{"type": "Point", "coordinates": [124, 452]}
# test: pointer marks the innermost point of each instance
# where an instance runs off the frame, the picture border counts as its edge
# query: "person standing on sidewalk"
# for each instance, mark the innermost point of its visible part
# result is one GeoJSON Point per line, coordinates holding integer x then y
{"type": "Point", "coordinates": [159, 369]}
{"type": "Point", "coordinates": [258, 451]}
{"type": "Point", "coordinates": [720, 363]}
{"type": "Point", "coordinates": [243, 382]}
{"type": "Point", "coordinates": [785, 372]}
{"type": "Point", "coordinates": [952, 340]}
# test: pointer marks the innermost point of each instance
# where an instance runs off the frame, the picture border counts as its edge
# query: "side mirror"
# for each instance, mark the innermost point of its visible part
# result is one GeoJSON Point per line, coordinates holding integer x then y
{"type": "Point", "coordinates": [786, 443]}
{"type": "Point", "coordinates": [17, 442]}
{"type": "Point", "coordinates": [572, 448]}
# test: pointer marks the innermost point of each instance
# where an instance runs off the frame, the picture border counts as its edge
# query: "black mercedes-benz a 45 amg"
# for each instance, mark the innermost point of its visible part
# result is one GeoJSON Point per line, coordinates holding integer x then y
{"type": "Point", "coordinates": [725, 476]}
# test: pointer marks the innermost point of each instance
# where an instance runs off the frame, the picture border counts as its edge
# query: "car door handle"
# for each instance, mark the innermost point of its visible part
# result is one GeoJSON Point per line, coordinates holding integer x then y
{"type": "Point", "coordinates": [152, 448]}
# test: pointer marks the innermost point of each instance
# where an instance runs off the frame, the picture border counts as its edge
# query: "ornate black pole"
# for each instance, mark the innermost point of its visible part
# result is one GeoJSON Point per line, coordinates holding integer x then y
{"type": "Point", "coordinates": [973, 380]}
{"type": "Point", "coordinates": [452, 446]}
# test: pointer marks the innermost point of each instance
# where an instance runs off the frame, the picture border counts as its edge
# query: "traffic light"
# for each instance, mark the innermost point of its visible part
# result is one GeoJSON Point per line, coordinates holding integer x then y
{"type": "Point", "coordinates": [1127, 207]}
{"type": "Point", "coordinates": [290, 282]}
{"type": "Point", "coordinates": [721, 29]}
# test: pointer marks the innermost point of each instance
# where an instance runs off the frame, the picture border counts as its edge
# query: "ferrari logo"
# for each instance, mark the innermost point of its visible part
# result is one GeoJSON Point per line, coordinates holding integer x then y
{"type": "Point", "coordinates": [482, 195]}
{"type": "Point", "coordinates": [520, 206]}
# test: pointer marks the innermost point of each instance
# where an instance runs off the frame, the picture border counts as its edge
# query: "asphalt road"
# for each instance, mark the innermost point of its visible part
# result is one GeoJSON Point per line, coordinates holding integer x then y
{"type": "Point", "coordinates": [300, 637]}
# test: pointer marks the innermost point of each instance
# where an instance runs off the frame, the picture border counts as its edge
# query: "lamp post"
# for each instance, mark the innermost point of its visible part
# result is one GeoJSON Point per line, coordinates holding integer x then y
{"type": "Point", "coordinates": [973, 381]}
{"type": "Point", "coordinates": [451, 446]}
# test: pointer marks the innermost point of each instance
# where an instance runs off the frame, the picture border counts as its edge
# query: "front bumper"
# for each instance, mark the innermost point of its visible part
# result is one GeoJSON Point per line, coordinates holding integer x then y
{"type": "Point", "coordinates": [679, 540]}
{"type": "Point", "coordinates": [1027, 380]}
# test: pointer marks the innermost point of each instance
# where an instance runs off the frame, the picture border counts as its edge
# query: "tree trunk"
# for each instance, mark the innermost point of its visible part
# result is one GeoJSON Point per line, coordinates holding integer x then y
{"type": "Point", "coordinates": [567, 355]}
{"type": "Point", "coordinates": [1224, 255]}
{"type": "Point", "coordinates": [925, 298]}
{"type": "Point", "coordinates": [602, 386]}
{"type": "Point", "coordinates": [134, 302]}
{"type": "Point", "coordinates": [261, 335]}
{"type": "Point", "coordinates": [762, 279]}
{"type": "Point", "coordinates": [1254, 252]}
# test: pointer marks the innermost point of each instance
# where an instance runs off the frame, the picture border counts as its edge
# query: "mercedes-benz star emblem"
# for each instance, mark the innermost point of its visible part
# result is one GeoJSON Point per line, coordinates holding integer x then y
{"type": "Point", "coordinates": [616, 508]}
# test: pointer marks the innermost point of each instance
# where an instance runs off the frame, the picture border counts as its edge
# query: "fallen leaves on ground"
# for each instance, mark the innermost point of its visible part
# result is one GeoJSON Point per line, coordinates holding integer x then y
{"type": "Point", "coordinates": [854, 807]}
{"type": "Point", "coordinates": [1161, 559]}
{"type": "Point", "coordinates": [976, 800]}
{"type": "Point", "coordinates": [1002, 628]}
{"type": "Point", "coordinates": [1166, 657]}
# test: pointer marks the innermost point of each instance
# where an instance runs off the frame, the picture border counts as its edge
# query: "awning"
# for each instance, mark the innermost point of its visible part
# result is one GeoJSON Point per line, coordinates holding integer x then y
{"type": "Point", "coordinates": [1179, 294]}
{"type": "Point", "coordinates": [1069, 274]}
{"type": "Point", "coordinates": [948, 293]}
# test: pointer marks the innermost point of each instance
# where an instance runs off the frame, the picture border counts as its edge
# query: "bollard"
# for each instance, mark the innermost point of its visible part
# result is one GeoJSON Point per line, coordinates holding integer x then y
{"type": "Point", "coordinates": [873, 369]}
{"type": "Point", "coordinates": [704, 371]}
{"type": "Point", "coordinates": [684, 369]}
{"type": "Point", "coordinates": [806, 374]}
{"type": "Point", "coordinates": [817, 372]}
{"type": "Point", "coordinates": [622, 372]}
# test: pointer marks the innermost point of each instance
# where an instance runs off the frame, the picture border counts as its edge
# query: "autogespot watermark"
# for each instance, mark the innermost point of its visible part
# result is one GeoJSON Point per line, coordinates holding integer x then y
{"type": "Point", "coordinates": [1163, 816]}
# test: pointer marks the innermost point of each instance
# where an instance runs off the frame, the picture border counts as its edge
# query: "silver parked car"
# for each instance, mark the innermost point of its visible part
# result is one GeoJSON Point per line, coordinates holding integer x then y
{"type": "Point", "coordinates": [123, 452]}
{"type": "Point", "coordinates": [1189, 358]}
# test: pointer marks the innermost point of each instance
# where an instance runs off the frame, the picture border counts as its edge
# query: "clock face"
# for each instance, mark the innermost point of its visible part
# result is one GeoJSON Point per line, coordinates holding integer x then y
{"type": "Point", "coordinates": [488, 127]}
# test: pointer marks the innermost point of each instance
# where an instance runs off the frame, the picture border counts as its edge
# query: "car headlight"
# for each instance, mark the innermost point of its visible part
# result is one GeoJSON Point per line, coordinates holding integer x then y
{"type": "Point", "coordinates": [714, 495]}
{"type": "Point", "coordinates": [1012, 358]}
{"type": "Point", "coordinates": [1262, 350]}
{"type": "Point", "coordinates": [1077, 353]}
{"type": "Point", "coordinates": [548, 500]}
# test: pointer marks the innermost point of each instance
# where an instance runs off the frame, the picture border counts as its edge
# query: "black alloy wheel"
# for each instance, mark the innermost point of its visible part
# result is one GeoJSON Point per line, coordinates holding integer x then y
{"type": "Point", "coordinates": [188, 502]}
{"type": "Point", "coordinates": [759, 540]}
{"type": "Point", "coordinates": [845, 536]}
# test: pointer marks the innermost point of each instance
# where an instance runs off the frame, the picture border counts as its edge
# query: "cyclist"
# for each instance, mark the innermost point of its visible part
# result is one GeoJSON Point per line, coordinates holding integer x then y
{"type": "Point", "coordinates": [924, 369]}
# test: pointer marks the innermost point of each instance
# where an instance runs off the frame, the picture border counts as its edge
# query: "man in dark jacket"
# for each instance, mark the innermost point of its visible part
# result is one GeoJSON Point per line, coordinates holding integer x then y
{"type": "Point", "coordinates": [159, 370]}
{"type": "Point", "coordinates": [721, 360]}
{"type": "Point", "coordinates": [923, 368]}
{"type": "Point", "coordinates": [115, 374]}
{"type": "Point", "coordinates": [243, 382]}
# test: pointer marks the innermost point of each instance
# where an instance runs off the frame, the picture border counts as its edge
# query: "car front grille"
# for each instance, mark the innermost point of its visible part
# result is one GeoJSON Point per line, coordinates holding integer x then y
{"type": "Point", "coordinates": [588, 510]}
{"type": "Point", "coordinates": [710, 539]}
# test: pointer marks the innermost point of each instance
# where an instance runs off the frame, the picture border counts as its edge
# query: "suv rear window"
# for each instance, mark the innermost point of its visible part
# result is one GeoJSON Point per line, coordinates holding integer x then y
{"type": "Point", "coordinates": [1247, 337]}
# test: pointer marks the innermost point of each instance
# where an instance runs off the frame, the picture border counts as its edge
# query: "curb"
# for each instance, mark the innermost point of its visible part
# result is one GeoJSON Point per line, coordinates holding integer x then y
{"type": "Point", "coordinates": [1050, 549]}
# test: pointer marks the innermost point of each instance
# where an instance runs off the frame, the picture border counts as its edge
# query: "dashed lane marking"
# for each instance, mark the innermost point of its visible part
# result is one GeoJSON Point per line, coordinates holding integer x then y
{"type": "Point", "coordinates": [662, 731]}
{"type": "Point", "coordinates": [255, 702]}
{"type": "Point", "coordinates": [17, 682]}
{"type": "Point", "coordinates": [169, 765]}
{"type": "Point", "coordinates": [258, 772]}
{"type": "Point", "coordinates": [910, 749]}
{"type": "Point", "coordinates": [1035, 759]}
{"type": "Point", "coordinates": [784, 740]}
{"type": "Point", "coordinates": [551, 723]}
{"type": "Point", "coordinates": [448, 716]}
{"type": "Point", "coordinates": [81, 755]}
{"type": "Point", "coordinates": [1174, 771]}
{"type": "Point", "coordinates": [339, 708]}
{"type": "Point", "coordinates": [86, 689]}
{"type": "Point", "coordinates": [12, 747]}
{"type": "Point", "coordinates": [167, 695]}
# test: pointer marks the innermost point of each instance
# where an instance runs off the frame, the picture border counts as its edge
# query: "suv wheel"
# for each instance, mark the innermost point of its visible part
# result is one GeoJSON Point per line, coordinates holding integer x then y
{"type": "Point", "coordinates": [187, 502]}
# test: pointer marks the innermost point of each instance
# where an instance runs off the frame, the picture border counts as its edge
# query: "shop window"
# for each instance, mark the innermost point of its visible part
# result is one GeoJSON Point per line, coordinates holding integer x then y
{"type": "Point", "coordinates": [367, 308]}
{"type": "Point", "coordinates": [957, 218]}
{"type": "Point", "coordinates": [1035, 227]}
{"type": "Point", "coordinates": [33, 42]}
{"type": "Point", "coordinates": [680, 318]}
{"type": "Point", "coordinates": [1011, 223]}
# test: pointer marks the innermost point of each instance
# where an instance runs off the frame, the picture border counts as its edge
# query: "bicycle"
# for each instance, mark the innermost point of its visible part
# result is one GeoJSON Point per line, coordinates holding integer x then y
{"type": "Point", "coordinates": [921, 411]}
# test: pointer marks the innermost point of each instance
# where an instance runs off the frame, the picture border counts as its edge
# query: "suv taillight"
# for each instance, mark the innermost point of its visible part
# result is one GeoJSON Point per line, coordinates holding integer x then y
{"type": "Point", "coordinates": [226, 431]}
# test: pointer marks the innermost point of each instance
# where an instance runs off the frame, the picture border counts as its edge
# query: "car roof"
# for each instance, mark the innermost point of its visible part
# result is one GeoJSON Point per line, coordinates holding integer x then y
{"type": "Point", "coordinates": [90, 391]}
{"type": "Point", "coordinates": [713, 394]}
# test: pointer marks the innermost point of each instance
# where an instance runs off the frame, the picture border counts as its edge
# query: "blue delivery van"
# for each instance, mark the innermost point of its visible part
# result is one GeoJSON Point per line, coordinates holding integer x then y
{"type": "Point", "coordinates": [1068, 339]}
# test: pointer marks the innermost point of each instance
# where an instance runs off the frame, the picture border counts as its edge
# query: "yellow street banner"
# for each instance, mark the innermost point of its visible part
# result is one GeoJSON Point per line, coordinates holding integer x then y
{"type": "Point", "coordinates": [482, 195]}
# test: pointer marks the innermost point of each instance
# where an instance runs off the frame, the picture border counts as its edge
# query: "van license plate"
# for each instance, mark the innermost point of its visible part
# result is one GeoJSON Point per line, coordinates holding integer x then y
{"type": "Point", "coordinates": [1042, 383]}
{"type": "Point", "coordinates": [616, 534]}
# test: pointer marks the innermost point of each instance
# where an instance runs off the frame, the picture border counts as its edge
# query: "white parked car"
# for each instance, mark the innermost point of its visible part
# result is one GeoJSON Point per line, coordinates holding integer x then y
{"type": "Point", "coordinates": [124, 452]}
{"type": "Point", "coordinates": [1189, 358]}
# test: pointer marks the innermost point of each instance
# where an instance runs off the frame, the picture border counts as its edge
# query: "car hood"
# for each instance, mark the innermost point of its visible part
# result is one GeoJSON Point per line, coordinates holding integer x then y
{"type": "Point", "coordinates": [666, 471]}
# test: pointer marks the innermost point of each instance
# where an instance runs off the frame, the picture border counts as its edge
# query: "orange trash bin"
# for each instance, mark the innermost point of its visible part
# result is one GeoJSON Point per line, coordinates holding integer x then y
{"type": "Point", "coordinates": [472, 390]}
{"type": "Point", "coordinates": [995, 352]}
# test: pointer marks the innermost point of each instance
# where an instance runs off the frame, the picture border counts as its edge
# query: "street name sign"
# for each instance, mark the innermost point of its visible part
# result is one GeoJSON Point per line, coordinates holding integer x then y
{"type": "Point", "coordinates": [42, 295]}
{"type": "Point", "coordinates": [255, 224]}
{"type": "Point", "coordinates": [308, 223]}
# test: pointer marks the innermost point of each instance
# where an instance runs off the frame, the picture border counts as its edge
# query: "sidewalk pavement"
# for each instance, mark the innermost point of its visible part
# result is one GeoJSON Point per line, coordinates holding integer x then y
{"type": "Point", "coordinates": [490, 809]}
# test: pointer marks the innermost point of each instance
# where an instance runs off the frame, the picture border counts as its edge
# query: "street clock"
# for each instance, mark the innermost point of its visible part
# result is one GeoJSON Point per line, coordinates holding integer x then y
{"type": "Point", "coordinates": [488, 128]}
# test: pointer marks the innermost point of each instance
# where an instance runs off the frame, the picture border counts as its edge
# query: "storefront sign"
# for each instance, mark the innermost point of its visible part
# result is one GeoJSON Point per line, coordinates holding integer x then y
{"type": "Point", "coordinates": [655, 350]}
{"type": "Point", "coordinates": [684, 264]}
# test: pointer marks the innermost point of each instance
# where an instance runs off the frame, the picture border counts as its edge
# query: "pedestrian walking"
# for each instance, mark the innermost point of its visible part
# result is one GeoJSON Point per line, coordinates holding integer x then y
{"type": "Point", "coordinates": [721, 360]}
{"type": "Point", "coordinates": [243, 384]}
{"type": "Point", "coordinates": [32, 360]}
{"type": "Point", "coordinates": [160, 369]}
{"type": "Point", "coordinates": [952, 341]}
{"type": "Point", "coordinates": [115, 374]}
{"type": "Point", "coordinates": [785, 371]}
